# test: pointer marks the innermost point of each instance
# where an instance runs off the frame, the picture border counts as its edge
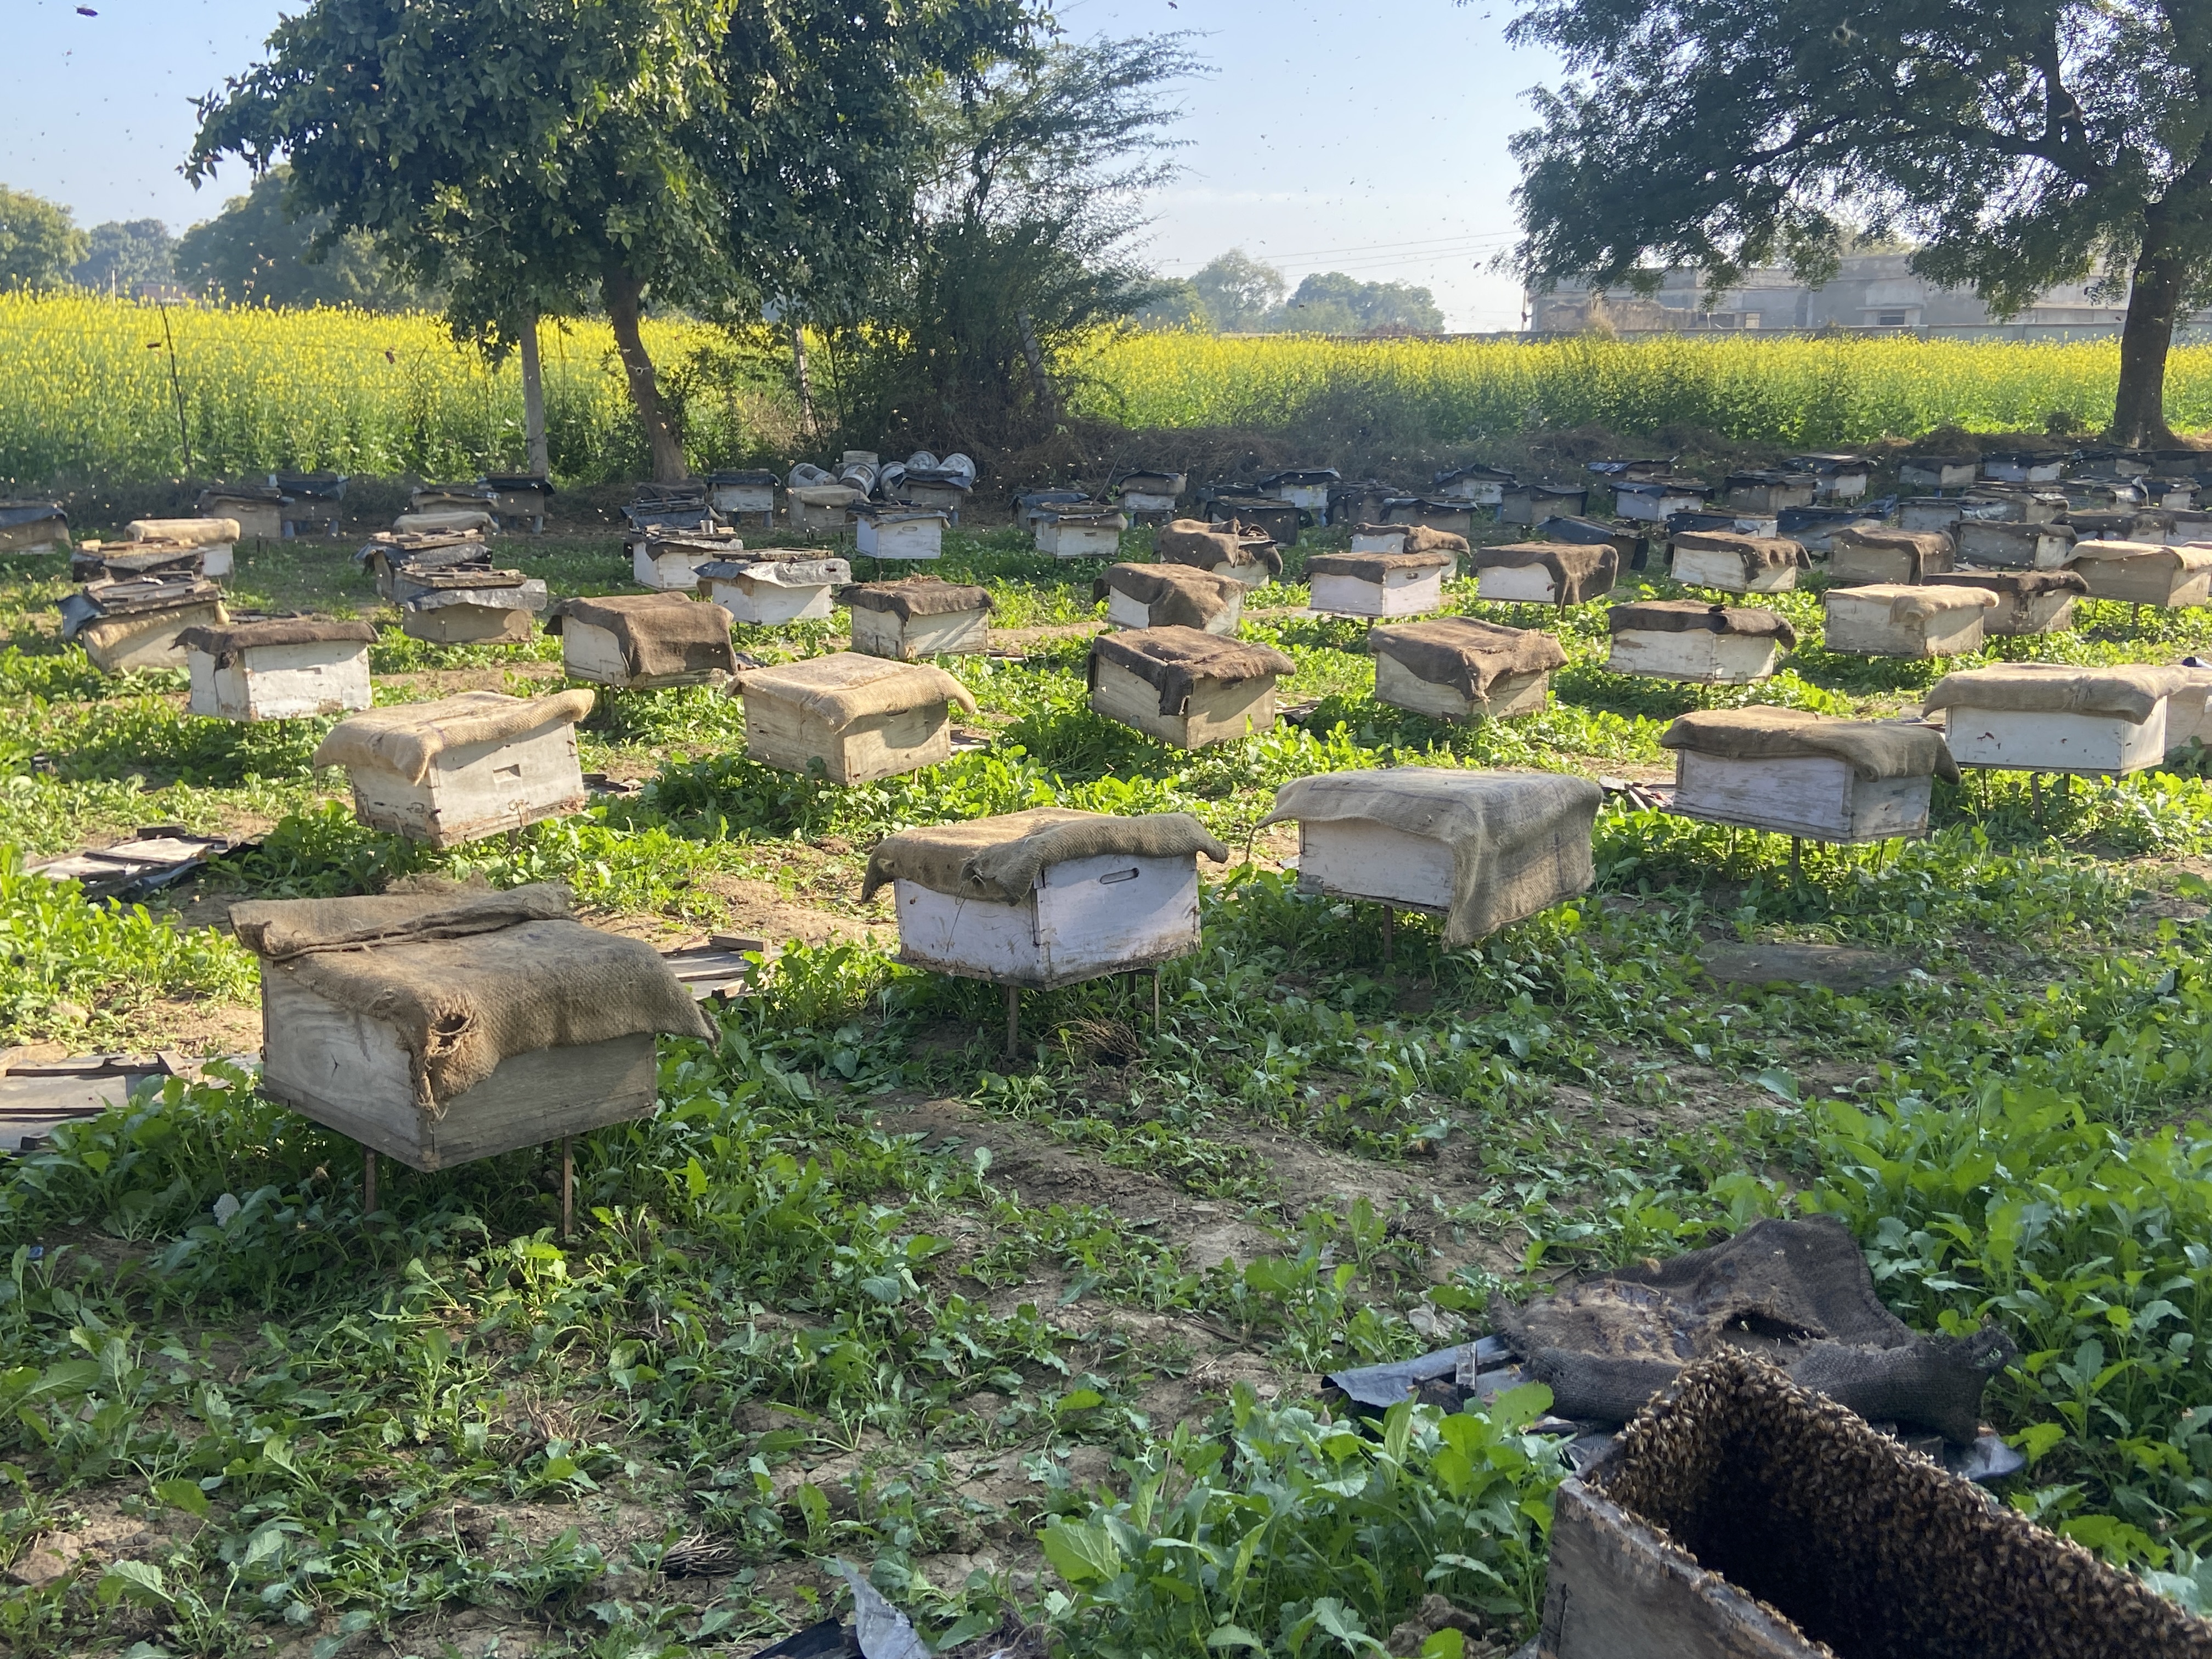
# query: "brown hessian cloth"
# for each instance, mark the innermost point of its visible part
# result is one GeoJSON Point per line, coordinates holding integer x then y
{"type": "Point", "coordinates": [916, 596]}
{"type": "Point", "coordinates": [1374, 567]}
{"type": "Point", "coordinates": [1465, 654]}
{"type": "Point", "coordinates": [661, 634]}
{"type": "Point", "coordinates": [1759, 554]}
{"type": "Point", "coordinates": [1174, 660]}
{"type": "Point", "coordinates": [1691, 617]}
{"type": "Point", "coordinates": [1000, 858]}
{"type": "Point", "coordinates": [1925, 551]}
{"type": "Point", "coordinates": [1175, 595]}
{"type": "Point", "coordinates": [1194, 542]}
{"type": "Point", "coordinates": [849, 685]}
{"type": "Point", "coordinates": [1579, 570]}
{"type": "Point", "coordinates": [2126, 691]}
{"type": "Point", "coordinates": [1874, 750]}
{"type": "Point", "coordinates": [225, 644]}
{"type": "Point", "coordinates": [407, 738]}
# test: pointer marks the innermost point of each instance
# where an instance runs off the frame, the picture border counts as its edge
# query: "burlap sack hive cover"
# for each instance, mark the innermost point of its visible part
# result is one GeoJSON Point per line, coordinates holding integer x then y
{"type": "Point", "coordinates": [849, 685]}
{"type": "Point", "coordinates": [1874, 750]}
{"type": "Point", "coordinates": [1000, 858]}
{"type": "Point", "coordinates": [408, 738]}
{"type": "Point", "coordinates": [1175, 595]}
{"type": "Point", "coordinates": [2188, 558]}
{"type": "Point", "coordinates": [1174, 660]}
{"type": "Point", "coordinates": [661, 633]}
{"type": "Point", "coordinates": [1520, 841]}
{"type": "Point", "coordinates": [1374, 567]}
{"type": "Point", "coordinates": [227, 644]}
{"type": "Point", "coordinates": [1922, 549]}
{"type": "Point", "coordinates": [1921, 603]}
{"type": "Point", "coordinates": [1194, 542]}
{"type": "Point", "coordinates": [2125, 691]}
{"type": "Point", "coordinates": [469, 978]}
{"type": "Point", "coordinates": [916, 596]}
{"type": "Point", "coordinates": [183, 533]}
{"type": "Point", "coordinates": [1468, 655]}
{"type": "Point", "coordinates": [1579, 570]}
{"type": "Point", "coordinates": [1690, 617]}
{"type": "Point", "coordinates": [1758, 554]}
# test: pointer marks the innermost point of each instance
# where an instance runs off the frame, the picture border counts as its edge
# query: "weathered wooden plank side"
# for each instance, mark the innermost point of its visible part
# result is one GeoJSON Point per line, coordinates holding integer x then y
{"type": "Point", "coordinates": [1802, 795]}
{"type": "Point", "coordinates": [2009, 740]}
{"type": "Point", "coordinates": [283, 681]}
{"type": "Point", "coordinates": [787, 736]}
{"type": "Point", "coordinates": [1705, 658]}
{"type": "Point", "coordinates": [1089, 917]}
{"type": "Point", "coordinates": [1359, 859]}
{"type": "Point", "coordinates": [476, 790]}
{"type": "Point", "coordinates": [1219, 712]}
{"type": "Point", "coordinates": [1509, 694]}
{"type": "Point", "coordinates": [885, 634]}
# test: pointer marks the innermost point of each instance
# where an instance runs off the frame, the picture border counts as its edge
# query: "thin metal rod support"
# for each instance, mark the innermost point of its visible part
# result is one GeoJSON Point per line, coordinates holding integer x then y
{"type": "Point", "coordinates": [568, 1186]}
{"type": "Point", "coordinates": [368, 1182]}
{"type": "Point", "coordinates": [1013, 1022]}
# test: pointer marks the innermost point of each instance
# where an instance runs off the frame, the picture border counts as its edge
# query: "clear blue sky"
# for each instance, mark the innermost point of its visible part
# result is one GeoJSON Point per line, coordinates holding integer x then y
{"type": "Point", "coordinates": [1370, 139]}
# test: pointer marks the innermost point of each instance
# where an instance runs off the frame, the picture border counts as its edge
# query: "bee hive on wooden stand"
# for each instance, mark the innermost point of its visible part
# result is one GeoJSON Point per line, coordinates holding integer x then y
{"type": "Point", "coordinates": [860, 718]}
{"type": "Point", "coordinates": [1738, 564]}
{"type": "Point", "coordinates": [463, 767]}
{"type": "Point", "coordinates": [1545, 572]}
{"type": "Point", "coordinates": [1030, 505]}
{"type": "Point", "coordinates": [1765, 489]}
{"type": "Point", "coordinates": [388, 553]}
{"type": "Point", "coordinates": [446, 1023]}
{"type": "Point", "coordinates": [1937, 471]}
{"type": "Point", "coordinates": [1479, 848]}
{"type": "Point", "coordinates": [1705, 644]}
{"type": "Point", "coordinates": [1888, 619]}
{"type": "Point", "coordinates": [643, 641]}
{"type": "Point", "coordinates": [1148, 495]}
{"type": "Point", "coordinates": [822, 507]}
{"type": "Point", "coordinates": [311, 501]}
{"type": "Point", "coordinates": [1532, 503]}
{"type": "Point", "coordinates": [284, 669]}
{"type": "Point", "coordinates": [1231, 550]}
{"type": "Point", "coordinates": [2055, 717]}
{"type": "Point", "coordinates": [215, 539]}
{"type": "Point", "coordinates": [519, 500]}
{"type": "Point", "coordinates": [1456, 668]}
{"type": "Point", "coordinates": [920, 616]}
{"type": "Point", "coordinates": [1868, 553]}
{"type": "Point", "coordinates": [769, 588]}
{"type": "Point", "coordinates": [669, 562]}
{"type": "Point", "coordinates": [1184, 687]}
{"type": "Point", "coordinates": [1407, 583]}
{"type": "Point", "coordinates": [1081, 531]}
{"type": "Point", "coordinates": [256, 509]}
{"type": "Point", "coordinates": [1170, 595]}
{"type": "Point", "coordinates": [32, 527]}
{"type": "Point", "coordinates": [898, 532]}
{"type": "Point", "coordinates": [1303, 487]}
{"type": "Point", "coordinates": [1485, 486]}
{"type": "Point", "coordinates": [732, 493]}
{"type": "Point", "coordinates": [459, 605]}
{"type": "Point", "coordinates": [2145, 573]}
{"type": "Point", "coordinates": [1793, 773]}
{"type": "Point", "coordinates": [138, 623]}
{"type": "Point", "coordinates": [2013, 545]}
{"type": "Point", "coordinates": [2028, 601]}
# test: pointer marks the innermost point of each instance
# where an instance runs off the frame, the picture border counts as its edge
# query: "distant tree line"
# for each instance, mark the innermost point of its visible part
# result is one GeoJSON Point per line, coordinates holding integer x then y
{"type": "Point", "coordinates": [1236, 293]}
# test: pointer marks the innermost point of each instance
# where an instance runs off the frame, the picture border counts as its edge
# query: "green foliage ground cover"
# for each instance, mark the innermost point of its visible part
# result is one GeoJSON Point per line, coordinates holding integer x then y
{"type": "Point", "coordinates": [797, 1330]}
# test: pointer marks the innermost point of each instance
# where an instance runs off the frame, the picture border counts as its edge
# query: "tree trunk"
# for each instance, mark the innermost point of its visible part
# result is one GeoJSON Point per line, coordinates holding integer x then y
{"type": "Point", "coordinates": [1040, 383]}
{"type": "Point", "coordinates": [2153, 303]}
{"type": "Point", "coordinates": [534, 399]}
{"type": "Point", "coordinates": [805, 377]}
{"type": "Point", "coordinates": [623, 291]}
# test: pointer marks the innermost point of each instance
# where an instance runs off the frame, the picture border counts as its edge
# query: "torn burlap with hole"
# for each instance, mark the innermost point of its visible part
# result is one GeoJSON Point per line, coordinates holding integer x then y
{"type": "Point", "coordinates": [1374, 567]}
{"type": "Point", "coordinates": [227, 644]}
{"type": "Point", "coordinates": [849, 685]}
{"type": "Point", "coordinates": [2129, 691]}
{"type": "Point", "coordinates": [183, 533]}
{"type": "Point", "coordinates": [1874, 750]}
{"type": "Point", "coordinates": [1759, 554]}
{"type": "Point", "coordinates": [1925, 552]}
{"type": "Point", "coordinates": [468, 978]}
{"type": "Point", "coordinates": [1001, 859]}
{"type": "Point", "coordinates": [1172, 660]}
{"type": "Point", "coordinates": [1690, 617]}
{"type": "Point", "coordinates": [1579, 570]}
{"type": "Point", "coordinates": [660, 633]}
{"type": "Point", "coordinates": [1469, 655]}
{"type": "Point", "coordinates": [408, 738]}
{"type": "Point", "coordinates": [1797, 1292]}
{"type": "Point", "coordinates": [1208, 547]}
{"type": "Point", "coordinates": [1520, 841]}
{"type": "Point", "coordinates": [1173, 595]}
{"type": "Point", "coordinates": [916, 596]}
{"type": "Point", "coordinates": [1855, 1541]}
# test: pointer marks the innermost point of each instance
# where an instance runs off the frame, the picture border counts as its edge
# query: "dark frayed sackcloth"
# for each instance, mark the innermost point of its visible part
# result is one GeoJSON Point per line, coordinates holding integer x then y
{"type": "Point", "coordinates": [1469, 655]}
{"type": "Point", "coordinates": [1921, 604]}
{"type": "Point", "coordinates": [1846, 1537]}
{"type": "Point", "coordinates": [1579, 570]}
{"type": "Point", "coordinates": [1172, 660]}
{"type": "Point", "coordinates": [661, 634]}
{"type": "Point", "coordinates": [2129, 691]}
{"type": "Point", "coordinates": [1000, 858]}
{"type": "Point", "coordinates": [1874, 750]}
{"type": "Point", "coordinates": [1427, 539]}
{"type": "Point", "coordinates": [849, 685]}
{"type": "Point", "coordinates": [1208, 547]}
{"type": "Point", "coordinates": [226, 644]}
{"type": "Point", "coordinates": [1758, 554]}
{"type": "Point", "coordinates": [1174, 595]}
{"type": "Point", "coordinates": [408, 738]}
{"type": "Point", "coordinates": [468, 978]}
{"type": "Point", "coordinates": [2018, 583]}
{"type": "Point", "coordinates": [1520, 841]}
{"type": "Point", "coordinates": [1374, 567]}
{"type": "Point", "coordinates": [916, 596]}
{"type": "Point", "coordinates": [1690, 617]}
{"type": "Point", "coordinates": [1926, 552]}
{"type": "Point", "coordinates": [1797, 1291]}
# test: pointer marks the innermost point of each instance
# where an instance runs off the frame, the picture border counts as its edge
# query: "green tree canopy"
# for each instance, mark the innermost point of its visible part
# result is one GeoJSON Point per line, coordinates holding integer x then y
{"type": "Point", "coordinates": [254, 253]}
{"type": "Point", "coordinates": [1330, 302]}
{"type": "Point", "coordinates": [122, 254]}
{"type": "Point", "coordinates": [1237, 290]}
{"type": "Point", "coordinates": [38, 242]}
{"type": "Point", "coordinates": [2019, 144]}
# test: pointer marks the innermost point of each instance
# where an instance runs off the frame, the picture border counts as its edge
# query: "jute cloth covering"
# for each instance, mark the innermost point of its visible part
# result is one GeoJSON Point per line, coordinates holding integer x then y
{"type": "Point", "coordinates": [225, 644]}
{"type": "Point", "coordinates": [1520, 841]}
{"type": "Point", "coordinates": [916, 596]}
{"type": "Point", "coordinates": [468, 978]}
{"type": "Point", "coordinates": [1860, 1544]}
{"type": "Point", "coordinates": [409, 737]}
{"type": "Point", "coordinates": [1925, 550]}
{"type": "Point", "coordinates": [1175, 595]}
{"type": "Point", "coordinates": [2187, 556]}
{"type": "Point", "coordinates": [1921, 603]}
{"type": "Point", "coordinates": [445, 519]}
{"type": "Point", "coordinates": [2129, 691]}
{"type": "Point", "coordinates": [1690, 617]}
{"type": "Point", "coordinates": [2018, 583]}
{"type": "Point", "coordinates": [661, 633]}
{"type": "Point", "coordinates": [1427, 539]}
{"type": "Point", "coordinates": [1872, 749]}
{"type": "Point", "coordinates": [1373, 567]}
{"type": "Point", "coordinates": [849, 685]}
{"type": "Point", "coordinates": [1000, 858]}
{"type": "Point", "coordinates": [1194, 542]}
{"type": "Point", "coordinates": [183, 533]}
{"type": "Point", "coordinates": [1797, 1291]}
{"type": "Point", "coordinates": [1759, 554]}
{"type": "Point", "coordinates": [1174, 660]}
{"type": "Point", "coordinates": [1469, 655]}
{"type": "Point", "coordinates": [1579, 570]}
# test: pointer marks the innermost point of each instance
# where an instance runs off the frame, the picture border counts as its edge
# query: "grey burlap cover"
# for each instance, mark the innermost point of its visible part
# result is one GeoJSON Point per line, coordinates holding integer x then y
{"type": "Point", "coordinates": [2018, 583]}
{"type": "Point", "coordinates": [849, 685]}
{"type": "Point", "coordinates": [1174, 660]}
{"type": "Point", "coordinates": [468, 978]}
{"type": "Point", "coordinates": [661, 634]}
{"type": "Point", "coordinates": [1579, 570]}
{"type": "Point", "coordinates": [1000, 858]}
{"type": "Point", "coordinates": [1374, 567]}
{"type": "Point", "coordinates": [1798, 1291]}
{"type": "Point", "coordinates": [225, 644]}
{"type": "Point", "coordinates": [1467, 655]}
{"type": "Point", "coordinates": [1863, 1545]}
{"type": "Point", "coordinates": [1173, 595]}
{"type": "Point", "coordinates": [2186, 557]}
{"type": "Point", "coordinates": [407, 738]}
{"type": "Point", "coordinates": [1925, 550]}
{"type": "Point", "coordinates": [1759, 554]}
{"type": "Point", "coordinates": [1520, 841]}
{"type": "Point", "coordinates": [1689, 615]}
{"type": "Point", "coordinates": [916, 596]}
{"type": "Point", "coordinates": [1872, 749]}
{"type": "Point", "coordinates": [2129, 691]}
{"type": "Point", "coordinates": [1194, 542]}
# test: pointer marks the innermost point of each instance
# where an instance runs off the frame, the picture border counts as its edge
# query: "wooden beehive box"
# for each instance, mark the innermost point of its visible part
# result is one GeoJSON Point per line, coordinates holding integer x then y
{"type": "Point", "coordinates": [1075, 532]}
{"type": "Point", "coordinates": [257, 512]}
{"type": "Point", "coordinates": [458, 605]}
{"type": "Point", "coordinates": [670, 563]}
{"type": "Point", "coordinates": [1937, 471]}
{"type": "Point", "coordinates": [1764, 489]}
{"type": "Point", "coordinates": [2028, 601]}
{"type": "Point", "coordinates": [519, 498]}
{"type": "Point", "coordinates": [732, 493]}
{"type": "Point", "coordinates": [32, 527]}
{"type": "Point", "coordinates": [1891, 619]}
{"type": "Point", "coordinates": [286, 669]}
{"type": "Point", "coordinates": [1836, 478]}
{"type": "Point", "coordinates": [1793, 772]}
{"type": "Point", "coordinates": [1149, 493]}
{"type": "Point", "coordinates": [1456, 668]}
{"type": "Point", "coordinates": [1737, 564]}
{"type": "Point", "coordinates": [787, 585]}
{"type": "Point", "coordinates": [1653, 501]}
{"type": "Point", "coordinates": [859, 718]}
{"type": "Point", "coordinates": [2176, 495]}
{"type": "Point", "coordinates": [1031, 505]}
{"type": "Point", "coordinates": [1045, 897]}
{"type": "Point", "coordinates": [1485, 486]}
{"type": "Point", "coordinates": [2013, 545]}
{"type": "Point", "coordinates": [1184, 687]}
{"type": "Point", "coordinates": [1924, 513]}
{"type": "Point", "coordinates": [1231, 550]}
{"type": "Point", "coordinates": [1303, 487]}
{"type": "Point", "coordinates": [1452, 517]}
{"type": "Point", "coordinates": [1868, 553]}
{"type": "Point", "coordinates": [2145, 573]}
{"type": "Point", "coordinates": [2014, 504]}
{"type": "Point", "coordinates": [920, 616]}
{"type": "Point", "coordinates": [644, 641]}
{"type": "Point", "coordinates": [463, 767]}
{"type": "Point", "coordinates": [2022, 467]}
{"type": "Point", "coordinates": [899, 533]}
{"type": "Point", "coordinates": [2056, 717]}
{"type": "Point", "coordinates": [825, 506]}
{"type": "Point", "coordinates": [1379, 538]}
{"type": "Point", "coordinates": [1705, 644]}
{"type": "Point", "coordinates": [1250, 514]}
{"type": "Point", "coordinates": [1532, 503]}
{"type": "Point", "coordinates": [1170, 596]}
{"type": "Point", "coordinates": [115, 562]}
{"type": "Point", "coordinates": [138, 623]}
{"type": "Point", "coordinates": [1406, 583]}
{"type": "Point", "coordinates": [2102, 494]}
{"type": "Point", "coordinates": [216, 539]}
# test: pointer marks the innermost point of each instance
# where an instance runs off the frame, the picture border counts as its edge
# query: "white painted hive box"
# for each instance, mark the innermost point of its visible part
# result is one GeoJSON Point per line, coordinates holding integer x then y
{"type": "Point", "coordinates": [1170, 595]}
{"type": "Point", "coordinates": [1704, 644]}
{"type": "Point", "coordinates": [216, 539]}
{"type": "Point", "coordinates": [1458, 668]}
{"type": "Point", "coordinates": [1401, 584]}
{"type": "Point", "coordinates": [287, 669]}
{"type": "Point", "coordinates": [2055, 717]}
{"type": "Point", "coordinates": [671, 565]}
{"type": "Point", "coordinates": [464, 767]}
{"type": "Point", "coordinates": [857, 717]}
{"type": "Point", "coordinates": [919, 618]}
{"type": "Point", "coordinates": [645, 641]}
{"type": "Point", "coordinates": [1866, 555]}
{"type": "Point", "coordinates": [730, 493]}
{"type": "Point", "coordinates": [139, 622]}
{"type": "Point", "coordinates": [1722, 560]}
{"type": "Point", "coordinates": [1545, 572]}
{"type": "Point", "coordinates": [1793, 772]}
{"type": "Point", "coordinates": [1185, 687]}
{"type": "Point", "coordinates": [894, 532]}
{"type": "Point", "coordinates": [1080, 535]}
{"type": "Point", "coordinates": [2145, 573]}
{"type": "Point", "coordinates": [2014, 546]}
{"type": "Point", "coordinates": [1892, 619]}
{"type": "Point", "coordinates": [822, 507]}
{"type": "Point", "coordinates": [773, 589]}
